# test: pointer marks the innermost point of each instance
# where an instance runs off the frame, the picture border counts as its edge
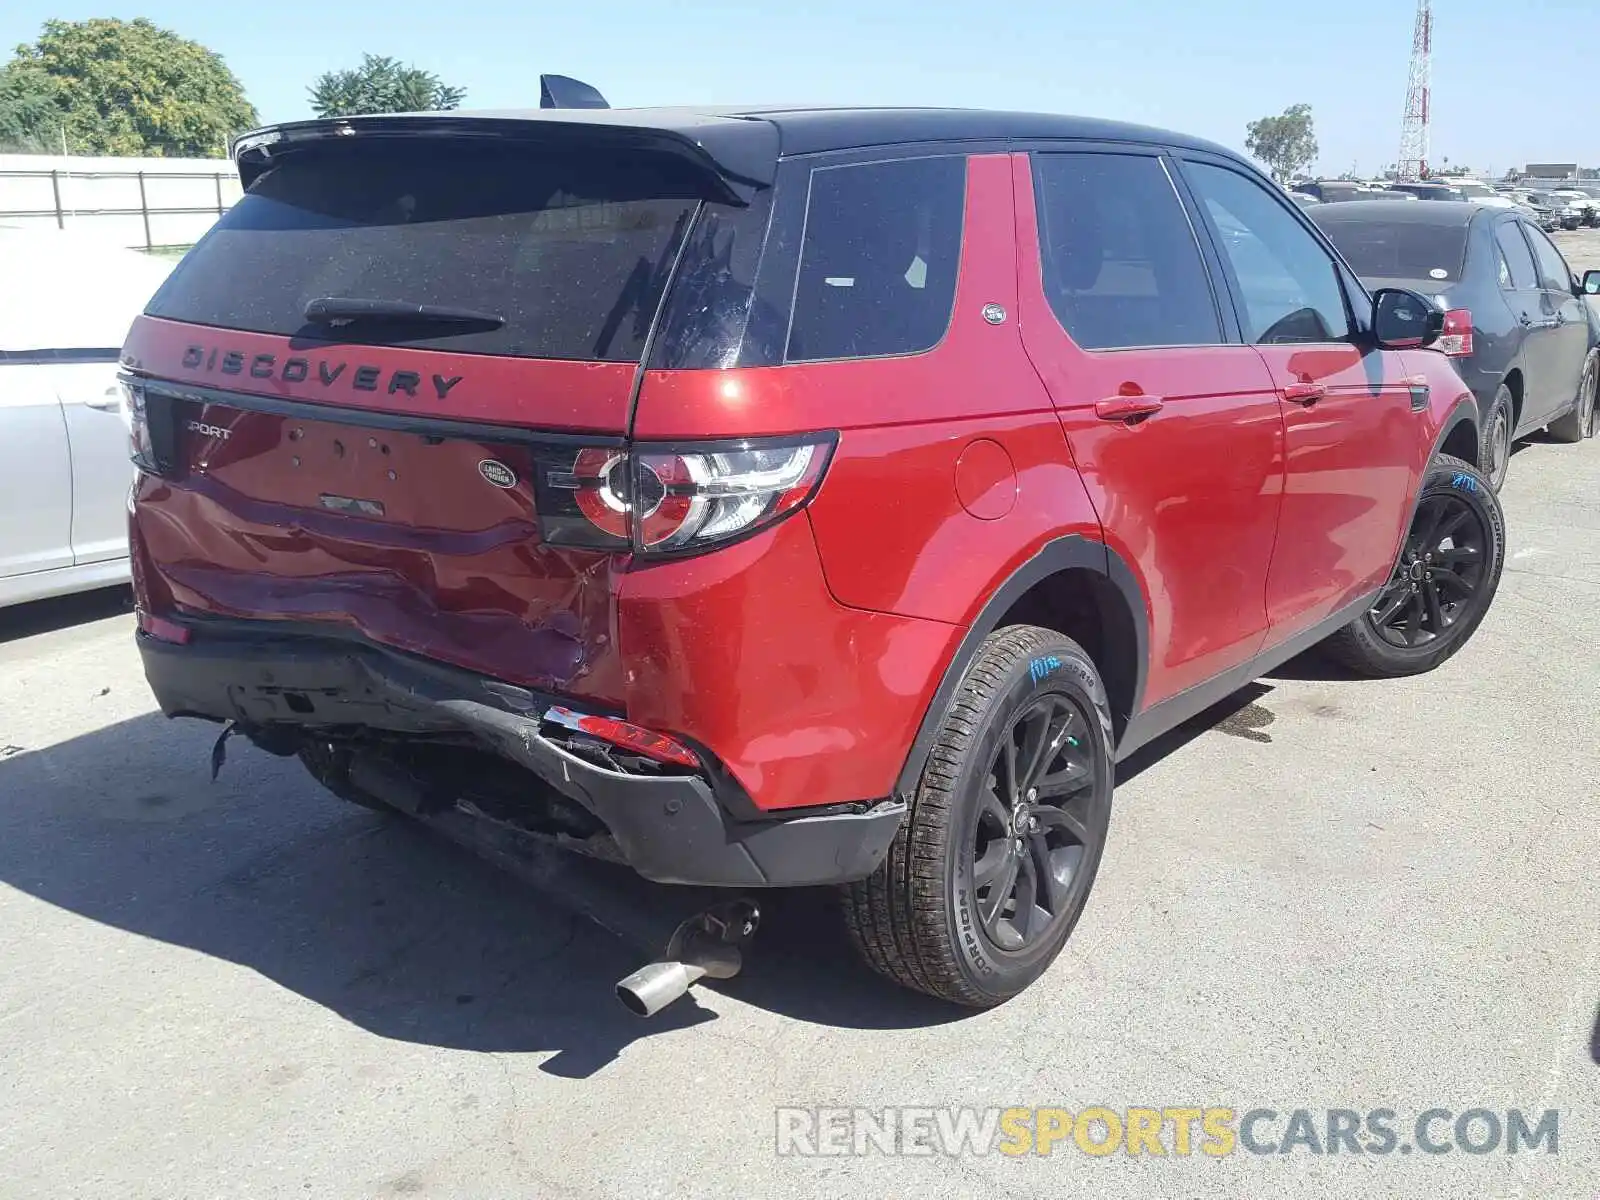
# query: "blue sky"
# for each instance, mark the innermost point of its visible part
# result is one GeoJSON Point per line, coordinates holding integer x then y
{"type": "Point", "coordinates": [1507, 78]}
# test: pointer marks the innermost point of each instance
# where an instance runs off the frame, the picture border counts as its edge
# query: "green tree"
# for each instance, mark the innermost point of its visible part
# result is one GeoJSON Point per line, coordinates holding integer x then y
{"type": "Point", "coordinates": [381, 85]}
{"type": "Point", "coordinates": [1286, 143]}
{"type": "Point", "coordinates": [128, 87]}
{"type": "Point", "coordinates": [29, 119]}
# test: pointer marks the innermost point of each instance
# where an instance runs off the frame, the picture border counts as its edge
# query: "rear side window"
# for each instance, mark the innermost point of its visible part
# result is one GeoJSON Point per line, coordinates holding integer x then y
{"type": "Point", "coordinates": [879, 259]}
{"type": "Point", "coordinates": [1554, 274]}
{"type": "Point", "coordinates": [571, 250]}
{"type": "Point", "coordinates": [1380, 249]}
{"type": "Point", "coordinates": [1518, 258]}
{"type": "Point", "coordinates": [1121, 265]}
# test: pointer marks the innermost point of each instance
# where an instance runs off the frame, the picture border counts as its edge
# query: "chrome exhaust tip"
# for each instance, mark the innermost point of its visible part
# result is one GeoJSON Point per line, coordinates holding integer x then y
{"type": "Point", "coordinates": [706, 946]}
{"type": "Point", "coordinates": [655, 985]}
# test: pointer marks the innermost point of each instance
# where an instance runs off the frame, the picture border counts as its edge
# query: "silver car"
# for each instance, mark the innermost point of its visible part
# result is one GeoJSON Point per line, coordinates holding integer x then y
{"type": "Point", "coordinates": [64, 469]}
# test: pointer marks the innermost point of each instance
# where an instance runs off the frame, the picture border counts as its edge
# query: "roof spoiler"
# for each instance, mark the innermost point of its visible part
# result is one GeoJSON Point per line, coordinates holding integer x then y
{"type": "Point", "coordinates": [560, 91]}
{"type": "Point", "coordinates": [735, 156]}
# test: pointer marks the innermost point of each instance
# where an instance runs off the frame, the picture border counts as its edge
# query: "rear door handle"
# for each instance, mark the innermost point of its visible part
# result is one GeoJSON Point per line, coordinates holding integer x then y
{"type": "Point", "coordinates": [1304, 393]}
{"type": "Point", "coordinates": [1128, 408]}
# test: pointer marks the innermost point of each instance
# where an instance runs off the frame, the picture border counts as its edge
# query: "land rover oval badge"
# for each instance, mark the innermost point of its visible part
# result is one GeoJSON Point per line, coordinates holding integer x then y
{"type": "Point", "coordinates": [497, 473]}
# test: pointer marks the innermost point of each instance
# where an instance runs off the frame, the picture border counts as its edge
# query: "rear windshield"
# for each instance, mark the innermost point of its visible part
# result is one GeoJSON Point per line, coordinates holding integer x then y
{"type": "Point", "coordinates": [571, 250]}
{"type": "Point", "coordinates": [1403, 250]}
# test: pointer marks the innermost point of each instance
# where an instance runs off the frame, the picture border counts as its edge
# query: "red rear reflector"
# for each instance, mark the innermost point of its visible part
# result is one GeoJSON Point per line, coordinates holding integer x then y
{"type": "Point", "coordinates": [162, 629]}
{"type": "Point", "coordinates": [652, 745]}
{"type": "Point", "coordinates": [1456, 340]}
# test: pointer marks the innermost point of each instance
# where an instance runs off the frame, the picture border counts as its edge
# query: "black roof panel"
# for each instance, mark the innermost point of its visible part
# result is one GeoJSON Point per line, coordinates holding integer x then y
{"type": "Point", "coordinates": [738, 141]}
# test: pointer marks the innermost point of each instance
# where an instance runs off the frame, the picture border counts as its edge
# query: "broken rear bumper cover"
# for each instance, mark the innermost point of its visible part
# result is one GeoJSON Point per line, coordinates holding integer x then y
{"type": "Point", "coordinates": [669, 828]}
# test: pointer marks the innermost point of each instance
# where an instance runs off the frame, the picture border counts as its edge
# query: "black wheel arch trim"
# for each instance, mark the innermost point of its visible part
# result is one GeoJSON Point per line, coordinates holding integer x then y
{"type": "Point", "coordinates": [1465, 412]}
{"type": "Point", "coordinates": [1072, 551]}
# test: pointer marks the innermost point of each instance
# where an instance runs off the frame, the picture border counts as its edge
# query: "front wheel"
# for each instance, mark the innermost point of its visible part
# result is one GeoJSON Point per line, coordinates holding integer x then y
{"type": "Point", "coordinates": [993, 864]}
{"type": "Point", "coordinates": [1443, 584]}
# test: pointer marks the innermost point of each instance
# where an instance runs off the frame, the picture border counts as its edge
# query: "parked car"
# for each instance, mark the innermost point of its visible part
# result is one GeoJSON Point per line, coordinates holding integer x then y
{"type": "Point", "coordinates": [1427, 190]}
{"type": "Point", "coordinates": [1478, 192]}
{"type": "Point", "coordinates": [1332, 190]}
{"type": "Point", "coordinates": [64, 472]}
{"type": "Point", "coordinates": [1577, 207]}
{"type": "Point", "coordinates": [1543, 209]}
{"type": "Point", "coordinates": [710, 491]}
{"type": "Point", "coordinates": [1516, 324]}
{"type": "Point", "coordinates": [1304, 199]}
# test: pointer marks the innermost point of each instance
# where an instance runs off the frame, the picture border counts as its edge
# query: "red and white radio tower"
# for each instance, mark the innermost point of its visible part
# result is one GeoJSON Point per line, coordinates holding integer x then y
{"type": "Point", "coordinates": [1413, 161]}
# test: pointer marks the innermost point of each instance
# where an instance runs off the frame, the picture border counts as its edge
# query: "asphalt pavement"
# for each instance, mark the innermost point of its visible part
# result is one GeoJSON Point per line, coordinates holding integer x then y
{"type": "Point", "coordinates": [1324, 894]}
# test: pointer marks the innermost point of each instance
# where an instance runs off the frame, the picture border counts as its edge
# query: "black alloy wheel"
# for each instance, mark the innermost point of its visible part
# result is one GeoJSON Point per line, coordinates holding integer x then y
{"type": "Point", "coordinates": [992, 867]}
{"type": "Point", "coordinates": [1439, 575]}
{"type": "Point", "coordinates": [1041, 811]}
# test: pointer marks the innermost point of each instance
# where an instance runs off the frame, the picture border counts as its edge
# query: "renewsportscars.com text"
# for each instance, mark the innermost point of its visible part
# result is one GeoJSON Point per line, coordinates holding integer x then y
{"type": "Point", "coordinates": [1170, 1131]}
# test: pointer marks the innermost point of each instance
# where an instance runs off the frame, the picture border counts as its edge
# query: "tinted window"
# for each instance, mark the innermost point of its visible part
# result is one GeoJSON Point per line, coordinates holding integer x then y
{"type": "Point", "coordinates": [879, 262]}
{"type": "Point", "coordinates": [1287, 281]}
{"type": "Point", "coordinates": [1554, 274]}
{"type": "Point", "coordinates": [1121, 266]}
{"type": "Point", "coordinates": [1518, 258]}
{"type": "Point", "coordinates": [572, 251]}
{"type": "Point", "coordinates": [1398, 250]}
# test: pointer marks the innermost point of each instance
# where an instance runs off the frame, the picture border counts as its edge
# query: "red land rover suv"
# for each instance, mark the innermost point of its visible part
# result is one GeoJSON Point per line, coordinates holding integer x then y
{"type": "Point", "coordinates": [790, 497]}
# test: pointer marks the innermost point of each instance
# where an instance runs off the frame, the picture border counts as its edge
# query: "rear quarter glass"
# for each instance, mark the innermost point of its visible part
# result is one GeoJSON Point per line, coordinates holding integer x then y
{"type": "Point", "coordinates": [572, 250]}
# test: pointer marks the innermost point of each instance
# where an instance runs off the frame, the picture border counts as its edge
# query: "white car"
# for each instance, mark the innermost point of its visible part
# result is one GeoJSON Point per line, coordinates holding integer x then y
{"type": "Point", "coordinates": [64, 470]}
{"type": "Point", "coordinates": [1481, 193]}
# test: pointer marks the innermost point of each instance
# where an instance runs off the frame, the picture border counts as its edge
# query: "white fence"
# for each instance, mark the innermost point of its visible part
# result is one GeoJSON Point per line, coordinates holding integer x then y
{"type": "Point", "coordinates": [142, 202]}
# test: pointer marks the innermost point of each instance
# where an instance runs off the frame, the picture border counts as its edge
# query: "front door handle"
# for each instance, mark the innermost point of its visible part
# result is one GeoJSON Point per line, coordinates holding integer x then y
{"type": "Point", "coordinates": [1304, 393]}
{"type": "Point", "coordinates": [1128, 408]}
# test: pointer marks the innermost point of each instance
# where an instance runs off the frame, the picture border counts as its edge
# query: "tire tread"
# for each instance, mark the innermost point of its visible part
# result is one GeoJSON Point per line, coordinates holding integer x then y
{"type": "Point", "coordinates": [898, 917]}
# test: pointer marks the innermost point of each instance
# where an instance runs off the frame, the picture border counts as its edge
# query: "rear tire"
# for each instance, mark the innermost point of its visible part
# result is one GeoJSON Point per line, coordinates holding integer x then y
{"type": "Point", "coordinates": [1580, 422]}
{"type": "Point", "coordinates": [1499, 424]}
{"type": "Point", "coordinates": [994, 862]}
{"type": "Point", "coordinates": [330, 766]}
{"type": "Point", "coordinates": [1443, 584]}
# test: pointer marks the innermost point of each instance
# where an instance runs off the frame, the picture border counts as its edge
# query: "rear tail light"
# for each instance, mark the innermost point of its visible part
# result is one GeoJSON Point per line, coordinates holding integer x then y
{"type": "Point", "coordinates": [670, 500]}
{"type": "Point", "coordinates": [149, 420]}
{"type": "Point", "coordinates": [1456, 340]}
{"type": "Point", "coordinates": [136, 416]}
{"type": "Point", "coordinates": [624, 735]}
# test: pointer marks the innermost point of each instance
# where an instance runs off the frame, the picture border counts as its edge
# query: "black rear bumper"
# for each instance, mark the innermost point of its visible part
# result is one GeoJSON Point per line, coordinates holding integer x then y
{"type": "Point", "coordinates": [668, 828]}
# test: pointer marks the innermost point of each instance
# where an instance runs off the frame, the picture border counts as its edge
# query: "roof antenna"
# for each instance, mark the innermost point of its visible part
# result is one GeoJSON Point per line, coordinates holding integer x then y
{"type": "Point", "coordinates": [558, 91]}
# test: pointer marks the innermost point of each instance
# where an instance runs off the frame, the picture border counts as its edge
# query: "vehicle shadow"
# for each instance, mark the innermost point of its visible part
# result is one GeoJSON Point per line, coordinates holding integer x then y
{"type": "Point", "coordinates": [63, 612]}
{"type": "Point", "coordinates": [1239, 714]}
{"type": "Point", "coordinates": [381, 921]}
{"type": "Point", "coordinates": [373, 917]}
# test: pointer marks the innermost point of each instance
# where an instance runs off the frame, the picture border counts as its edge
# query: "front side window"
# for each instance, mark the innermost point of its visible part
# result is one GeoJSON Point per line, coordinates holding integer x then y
{"type": "Point", "coordinates": [1120, 263]}
{"type": "Point", "coordinates": [1286, 280]}
{"type": "Point", "coordinates": [880, 257]}
{"type": "Point", "coordinates": [1554, 274]}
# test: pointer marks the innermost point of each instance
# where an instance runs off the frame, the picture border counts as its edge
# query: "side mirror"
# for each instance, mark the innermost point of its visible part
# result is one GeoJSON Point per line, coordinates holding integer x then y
{"type": "Point", "coordinates": [1591, 283]}
{"type": "Point", "coordinates": [1403, 320]}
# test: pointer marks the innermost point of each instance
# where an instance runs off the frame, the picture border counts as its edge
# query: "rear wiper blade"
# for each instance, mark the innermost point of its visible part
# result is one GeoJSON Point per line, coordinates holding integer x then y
{"type": "Point", "coordinates": [334, 310]}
